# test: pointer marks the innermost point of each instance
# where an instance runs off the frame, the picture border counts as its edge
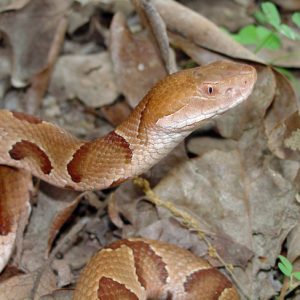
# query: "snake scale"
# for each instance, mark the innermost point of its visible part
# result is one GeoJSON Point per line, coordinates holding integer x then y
{"type": "Point", "coordinates": [171, 110]}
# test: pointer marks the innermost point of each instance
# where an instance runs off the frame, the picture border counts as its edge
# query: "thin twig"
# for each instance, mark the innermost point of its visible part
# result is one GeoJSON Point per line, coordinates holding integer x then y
{"type": "Point", "coordinates": [284, 289]}
{"type": "Point", "coordinates": [188, 221]}
{"type": "Point", "coordinates": [153, 21]}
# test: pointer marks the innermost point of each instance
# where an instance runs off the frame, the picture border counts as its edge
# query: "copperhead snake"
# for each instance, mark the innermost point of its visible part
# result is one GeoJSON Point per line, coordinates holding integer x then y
{"type": "Point", "coordinates": [170, 111]}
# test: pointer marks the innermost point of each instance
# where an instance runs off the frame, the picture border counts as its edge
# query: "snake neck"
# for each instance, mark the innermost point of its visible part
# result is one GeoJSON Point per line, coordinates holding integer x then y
{"type": "Point", "coordinates": [148, 142]}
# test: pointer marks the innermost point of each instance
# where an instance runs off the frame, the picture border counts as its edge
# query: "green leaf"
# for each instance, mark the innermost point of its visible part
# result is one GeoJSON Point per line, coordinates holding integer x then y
{"type": "Point", "coordinates": [260, 17]}
{"type": "Point", "coordinates": [284, 270]}
{"type": "Point", "coordinates": [297, 275]}
{"type": "Point", "coordinates": [247, 35]}
{"type": "Point", "coordinates": [271, 13]}
{"type": "Point", "coordinates": [287, 31]}
{"type": "Point", "coordinates": [285, 266]}
{"type": "Point", "coordinates": [296, 18]}
{"type": "Point", "coordinates": [270, 39]}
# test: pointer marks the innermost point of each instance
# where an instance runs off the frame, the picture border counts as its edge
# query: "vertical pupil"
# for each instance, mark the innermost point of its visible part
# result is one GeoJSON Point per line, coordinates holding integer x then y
{"type": "Point", "coordinates": [210, 90]}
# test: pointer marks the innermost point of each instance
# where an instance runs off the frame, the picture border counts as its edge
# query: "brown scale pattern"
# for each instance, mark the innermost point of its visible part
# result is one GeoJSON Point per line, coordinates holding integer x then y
{"type": "Point", "coordinates": [113, 145]}
{"type": "Point", "coordinates": [208, 284]}
{"type": "Point", "coordinates": [171, 110]}
{"type": "Point", "coordinates": [14, 207]}
{"type": "Point", "coordinates": [62, 160]}
{"type": "Point", "coordinates": [150, 268]}
{"type": "Point", "coordinates": [112, 290]}
{"type": "Point", "coordinates": [155, 279]}
{"type": "Point", "coordinates": [31, 152]}
{"type": "Point", "coordinates": [14, 185]}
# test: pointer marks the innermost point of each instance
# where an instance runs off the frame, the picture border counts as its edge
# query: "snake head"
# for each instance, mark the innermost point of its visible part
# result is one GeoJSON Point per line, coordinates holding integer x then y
{"type": "Point", "coordinates": [188, 97]}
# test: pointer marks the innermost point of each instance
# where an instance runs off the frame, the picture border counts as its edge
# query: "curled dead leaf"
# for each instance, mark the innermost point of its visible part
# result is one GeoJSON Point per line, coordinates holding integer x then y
{"type": "Point", "coordinates": [136, 64]}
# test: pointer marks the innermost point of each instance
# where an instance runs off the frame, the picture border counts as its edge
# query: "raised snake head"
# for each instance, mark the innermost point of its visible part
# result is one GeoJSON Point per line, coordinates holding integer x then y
{"type": "Point", "coordinates": [182, 100]}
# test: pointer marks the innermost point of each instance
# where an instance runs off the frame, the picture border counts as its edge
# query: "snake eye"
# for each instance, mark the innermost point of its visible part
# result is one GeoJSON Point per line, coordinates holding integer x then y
{"type": "Point", "coordinates": [210, 90]}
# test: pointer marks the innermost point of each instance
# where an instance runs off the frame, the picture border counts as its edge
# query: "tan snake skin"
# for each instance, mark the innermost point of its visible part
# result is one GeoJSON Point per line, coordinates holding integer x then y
{"type": "Point", "coordinates": [154, 270]}
{"type": "Point", "coordinates": [170, 111]}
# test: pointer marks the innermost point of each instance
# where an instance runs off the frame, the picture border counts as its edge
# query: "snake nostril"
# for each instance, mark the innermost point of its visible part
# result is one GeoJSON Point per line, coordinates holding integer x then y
{"type": "Point", "coordinates": [229, 91]}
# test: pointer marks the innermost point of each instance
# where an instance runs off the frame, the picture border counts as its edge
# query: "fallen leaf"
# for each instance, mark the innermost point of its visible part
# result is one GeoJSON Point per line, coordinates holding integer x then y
{"type": "Point", "coordinates": [186, 23]}
{"type": "Point", "coordinates": [293, 244]}
{"type": "Point", "coordinates": [288, 4]}
{"type": "Point", "coordinates": [282, 118]}
{"type": "Point", "coordinates": [201, 145]}
{"type": "Point", "coordinates": [235, 192]}
{"type": "Point", "coordinates": [61, 217]}
{"type": "Point", "coordinates": [61, 294]}
{"type": "Point", "coordinates": [234, 13]}
{"type": "Point", "coordinates": [30, 37]}
{"type": "Point", "coordinates": [40, 81]}
{"type": "Point", "coordinates": [117, 112]}
{"type": "Point", "coordinates": [80, 15]}
{"type": "Point", "coordinates": [13, 5]}
{"type": "Point", "coordinates": [136, 64]}
{"type": "Point", "coordinates": [288, 56]}
{"type": "Point", "coordinates": [63, 271]}
{"type": "Point", "coordinates": [87, 77]}
{"type": "Point", "coordinates": [48, 216]}
{"type": "Point", "coordinates": [29, 286]}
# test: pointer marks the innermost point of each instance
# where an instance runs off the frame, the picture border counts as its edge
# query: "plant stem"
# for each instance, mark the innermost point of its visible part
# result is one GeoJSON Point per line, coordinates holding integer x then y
{"type": "Point", "coordinates": [258, 48]}
{"type": "Point", "coordinates": [284, 288]}
{"type": "Point", "coordinates": [190, 222]}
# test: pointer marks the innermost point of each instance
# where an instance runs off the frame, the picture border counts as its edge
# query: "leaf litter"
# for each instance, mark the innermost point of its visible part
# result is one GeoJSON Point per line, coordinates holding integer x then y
{"type": "Point", "coordinates": [237, 176]}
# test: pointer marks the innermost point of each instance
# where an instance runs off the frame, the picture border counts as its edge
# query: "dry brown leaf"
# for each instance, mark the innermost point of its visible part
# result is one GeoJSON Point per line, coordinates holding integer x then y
{"type": "Point", "coordinates": [293, 244]}
{"type": "Point", "coordinates": [87, 77]}
{"type": "Point", "coordinates": [201, 145]}
{"type": "Point", "coordinates": [30, 286]}
{"type": "Point", "coordinates": [61, 294]}
{"type": "Point", "coordinates": [282, 118]}
{"type": "Point", "coordinates": [40, 81]}
{"type": "Point", "coordinates": [61, 217]}
{"type": "Point", "coordinates": [80, 15]}
{"type": "Point", "coordinates": [203, 186]}
{"type": "Point", "coordinates": [7, 5]}
{"type": "Point", "coordinates": [30, 32]}
{"type": "Point", "coordinates": [234, 13]}
{"type": "Point", "coordinates": [63, 271]}
{"type": "Point", "coordinates": [193, 27]}
{"type": "Point", "coordinates": [171, 231]}
{"type": "Point", "coordinates": [117, 112]}
{"type": "Point", "coordinates": [47, 218]}
{"type": "Point", "coordinates": [114, 211]}
{"type": "Point", "coordinates": [200, 55]}
{"type": "Point", "coordinates": [236, 192]}
{"type": "Point", "coordinates": [136, 64]}
{"type": "Point", "coordinates": [113, 6]}
{"type": "Point", "coordinates": [127, 196]}
{"type": "Point", "coordinates": [287, 56]}
{"type": "Point", "coordinates": [157, 31]}
{"type": "Point", "coordinates": [288, 4]}
{"type": "Point", "coordinates": [15, 186]}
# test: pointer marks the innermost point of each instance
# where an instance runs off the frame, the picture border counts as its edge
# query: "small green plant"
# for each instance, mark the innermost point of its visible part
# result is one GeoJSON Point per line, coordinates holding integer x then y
{"type": "Point", "coordinates": [267, 37]}
{"type": "Point", "coordinates": [286, 268]}
{"type": "Point", "coordinates": [268, 34]}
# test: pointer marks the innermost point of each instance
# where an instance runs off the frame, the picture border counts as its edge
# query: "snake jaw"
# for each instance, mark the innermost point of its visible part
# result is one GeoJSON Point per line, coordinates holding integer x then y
{"type": "Point", "coordinates": [210, 97]}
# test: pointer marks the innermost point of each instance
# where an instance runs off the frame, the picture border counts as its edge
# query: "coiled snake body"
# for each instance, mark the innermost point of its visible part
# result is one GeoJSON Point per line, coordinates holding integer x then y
{"type": "Point", "coordinates": [171, 110]}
